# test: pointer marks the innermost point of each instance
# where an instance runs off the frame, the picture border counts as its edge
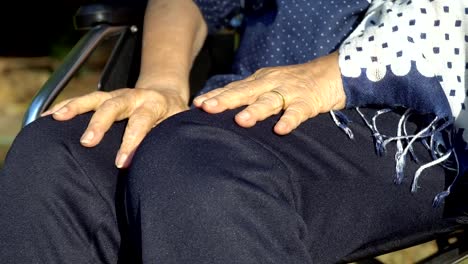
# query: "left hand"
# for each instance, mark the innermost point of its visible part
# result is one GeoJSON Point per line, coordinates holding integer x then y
{"type": "Point", "coordinates": [302, 91]}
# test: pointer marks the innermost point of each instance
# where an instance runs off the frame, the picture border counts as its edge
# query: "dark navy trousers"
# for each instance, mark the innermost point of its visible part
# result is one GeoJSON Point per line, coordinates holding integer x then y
{"type": "Point", "coordinates": [203, 190]}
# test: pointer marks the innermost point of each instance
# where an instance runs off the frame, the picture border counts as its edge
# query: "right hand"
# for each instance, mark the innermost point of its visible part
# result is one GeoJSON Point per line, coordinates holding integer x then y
{"type": "Point", "coordinates": [144, 108]}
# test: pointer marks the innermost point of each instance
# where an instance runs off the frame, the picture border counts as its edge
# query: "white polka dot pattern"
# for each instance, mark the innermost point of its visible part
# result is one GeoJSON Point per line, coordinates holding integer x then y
{"type": "Point", "coordinates": [430, 34]}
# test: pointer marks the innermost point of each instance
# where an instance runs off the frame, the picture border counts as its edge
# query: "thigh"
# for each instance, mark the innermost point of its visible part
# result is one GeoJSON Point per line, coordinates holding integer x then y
{"type": "Point", "coordinates": [340, 195]}
{"type": "Point", "coordinates": [346, 193]}
{"type": "Point", "coordinates": [58, 198]}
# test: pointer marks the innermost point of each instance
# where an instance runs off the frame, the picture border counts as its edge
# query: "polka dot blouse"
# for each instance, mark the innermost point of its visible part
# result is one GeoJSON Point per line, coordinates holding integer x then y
{"type": "Point", "coordinates": [281, 32]}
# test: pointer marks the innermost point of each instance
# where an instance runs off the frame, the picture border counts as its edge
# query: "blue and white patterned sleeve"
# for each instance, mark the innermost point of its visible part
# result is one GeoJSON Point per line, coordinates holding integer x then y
{"type": "Point", "coordinates": [215, 12]}
{"type": "Point", "coordinates": [410, 53]}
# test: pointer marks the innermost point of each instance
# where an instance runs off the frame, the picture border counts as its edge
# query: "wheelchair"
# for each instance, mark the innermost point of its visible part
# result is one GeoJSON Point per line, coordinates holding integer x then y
{"type": "Point", "coordinates": [101, 22]}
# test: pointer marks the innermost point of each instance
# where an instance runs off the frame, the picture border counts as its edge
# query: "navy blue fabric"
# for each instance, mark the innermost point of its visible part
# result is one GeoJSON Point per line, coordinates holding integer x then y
{"type": "Point", "coordinates": [413, 91]}
{"type": "Point", "coordinates": [204, 190]}
{"type": "Point", "coordinates": [217, 13]}
{"type": "Point", "coordinates": [283, 32]}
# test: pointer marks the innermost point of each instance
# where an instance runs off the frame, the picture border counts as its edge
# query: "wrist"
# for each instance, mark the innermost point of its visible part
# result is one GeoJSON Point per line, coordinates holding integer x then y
{"type": "Point", "coordinates": [326, 72]}
{"type": "Point", "coordinates": [174, 86]}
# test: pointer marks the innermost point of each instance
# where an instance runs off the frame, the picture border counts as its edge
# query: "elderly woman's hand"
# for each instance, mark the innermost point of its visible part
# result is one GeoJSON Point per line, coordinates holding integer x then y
{"type": "Point", "coordinates": [144, 108]}
{"type": "Point", "coordinates": [302, 91]}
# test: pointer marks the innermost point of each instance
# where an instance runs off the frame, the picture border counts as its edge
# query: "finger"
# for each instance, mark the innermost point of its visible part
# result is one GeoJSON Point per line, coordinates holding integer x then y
{"type": "Point", "coordinates": [112, 110]}
{"type": "Point", "coordinates": [237, 95]}
{"type": "Point", "coordinates": [198, 101]}
{"type": "Point", "coordinates": [293, 116]}
{"type": "Point", "coordinates": [57, 107]}
{"type": "Point", "coordinates": [81, 105]}
{"type": "Point", "coordinates": [267, 104]}
{"type": "Point", "coordinates": [138, 126]}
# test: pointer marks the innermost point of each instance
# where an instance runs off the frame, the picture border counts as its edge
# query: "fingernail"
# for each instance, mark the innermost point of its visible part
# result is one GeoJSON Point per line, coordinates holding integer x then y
{"type": "Point", "coordinates": [244, 115]}
{"type": "Point", "coordinates": [61, 111]}
{"type": "Point", "coordinates": [87, 137]}
{"type": "Point", "coordinates": [211, 102]}
{"type": "Point", "coordinates": [46, 113]}
{"type": "Point", "coordinates": [120, 160]}
{"type": "Point", "coordinates": [199, 100]}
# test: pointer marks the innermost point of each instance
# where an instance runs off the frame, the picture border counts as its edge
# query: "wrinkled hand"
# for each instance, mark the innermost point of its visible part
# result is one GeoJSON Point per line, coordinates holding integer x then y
{"type": "Point", "coordinates": [144, 108]}
{"type": "Point", "coordinates": [302, 91]}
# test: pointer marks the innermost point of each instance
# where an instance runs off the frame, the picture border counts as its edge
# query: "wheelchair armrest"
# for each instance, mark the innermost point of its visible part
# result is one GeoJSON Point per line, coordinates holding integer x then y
{"type": "Point", "coordinates": [91, 15]}
{"type": "Point", "coordinates": [102, 22]}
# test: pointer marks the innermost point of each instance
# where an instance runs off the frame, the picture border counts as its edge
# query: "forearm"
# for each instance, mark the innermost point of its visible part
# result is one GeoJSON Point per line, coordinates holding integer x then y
{"type": "Point", "coordinates": [174, 32]}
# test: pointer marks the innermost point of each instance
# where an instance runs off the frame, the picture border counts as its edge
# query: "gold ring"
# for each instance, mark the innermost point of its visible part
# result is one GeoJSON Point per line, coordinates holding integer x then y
{"type": "Point", "coordinates": [282, 97]}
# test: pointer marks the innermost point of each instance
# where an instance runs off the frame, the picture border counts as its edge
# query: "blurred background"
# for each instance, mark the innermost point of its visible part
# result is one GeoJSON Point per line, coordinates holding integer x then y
{"type": "Point", "coordinates": [35, 37]}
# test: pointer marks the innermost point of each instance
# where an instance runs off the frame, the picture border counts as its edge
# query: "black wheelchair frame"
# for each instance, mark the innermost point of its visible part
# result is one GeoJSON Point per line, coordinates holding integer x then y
{"type": "Point", "coordinates": [102, 22]}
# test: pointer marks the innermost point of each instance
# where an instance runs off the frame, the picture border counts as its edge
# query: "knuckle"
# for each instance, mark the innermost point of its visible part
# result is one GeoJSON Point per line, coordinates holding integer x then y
{"type": "Point", "coordinates": [144, 118]}
{"type": "Point", "coordinates": [229, 86]}
{"type": "Point", "coordinates": [138, 92]}
{"type": "Point", "coordinates": [101, 119]}
{"type": "Point", "coordinates": [269, 99]}
{"type": "Point", "coordinates": [256, 109]}
{"type": "Point", "coordinates": [299, 114]}
{"type": "Point", "coordinates": [131, 136]}
{"type": "Point", "coordinates": [111, 104]}
{"type": "Point", "coordinates": [227, 94]}
{"type": "Point", "coordinates": [242, 89]}
{"type": "Point", "coordinates": [294, 112]}
{"type": "Point", "coordinates": [134, 134]}
{"type": "Point", "coordinates": [220, 90]}
{"type": "Point", "coordinates": [118, 92]}
{"type": "Point", "coordinates": [216, 92]}
{"type": "Point", "coordinates": [294, 121]}
{"type": "Point", "coordinates": [240, 93]}
{"type": "Point", "coordinates": [259, 72]}
{"type": "Point", "coordinates": [263, 71]}
{"type": "Point", "coordinates": [268, 71]}
{"type": "Point", "coordinates": [96, 126]}
{"type": "Point", "coordinates": [97, 94]}
{"type": "Point", "coordinates": [301, 104]}
{"type": "Point", "coordinates": [249, 91]}
{"type": "Point", "coordinates": [311, 107]}
{"type": "Point", "coordinates": [262, 109]}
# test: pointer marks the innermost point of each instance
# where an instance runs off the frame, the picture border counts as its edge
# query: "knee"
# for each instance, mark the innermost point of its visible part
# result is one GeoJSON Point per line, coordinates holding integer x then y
{"type": "Point", "coordinates": [37, 148]}
{"type": "Point", "coordinates": [203, 165]}
{"type": "Point", "coordinates": [177, 154]}
{"type": "Point", "coordinates": [45, 156]}
{"type": "Point", "coordinates": [44, 139]}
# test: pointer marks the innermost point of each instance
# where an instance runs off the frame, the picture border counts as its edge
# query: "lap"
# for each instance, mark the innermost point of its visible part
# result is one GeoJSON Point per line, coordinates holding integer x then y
{"type": "Point", "coordinates": [343, 192]}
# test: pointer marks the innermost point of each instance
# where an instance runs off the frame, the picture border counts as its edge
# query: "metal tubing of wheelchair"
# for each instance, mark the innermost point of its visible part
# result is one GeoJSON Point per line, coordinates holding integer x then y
{"type": "Point", "coordinates": [70, 65]}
